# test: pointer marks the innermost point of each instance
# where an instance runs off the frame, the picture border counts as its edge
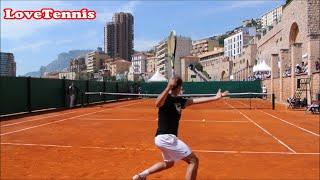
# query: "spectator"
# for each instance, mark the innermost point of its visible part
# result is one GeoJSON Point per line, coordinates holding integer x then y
{"type": "Point", "coordinates": [72, 92]}
{"type": "Point", "coordinates": [298, 69]}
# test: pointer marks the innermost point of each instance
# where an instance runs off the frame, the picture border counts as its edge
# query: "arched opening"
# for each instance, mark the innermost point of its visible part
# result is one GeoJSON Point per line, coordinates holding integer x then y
{"type": "Point", "coordinates": [222, 75]}
{"type": "Point", "coordinates": [294, 31]}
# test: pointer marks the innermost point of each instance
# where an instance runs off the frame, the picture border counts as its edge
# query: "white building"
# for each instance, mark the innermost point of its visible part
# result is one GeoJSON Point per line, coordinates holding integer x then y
{"type": "Point", "coordinates": [139, 63]}
{"type": "Point", "coordinates": [68, 75]}
{"type": "Point", "coordinates": [95, 60]}
{"type": "Point", "coordinates": [271, 17]}
{"type": "Point", "coordinates": [183, 48]}
{"type": "Point", "coordinates": [233, 45]}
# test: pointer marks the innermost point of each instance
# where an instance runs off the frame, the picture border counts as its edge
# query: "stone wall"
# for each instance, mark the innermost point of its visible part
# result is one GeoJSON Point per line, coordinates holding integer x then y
{"type": "Point", "coordinates": [286, 91]}
{"type": "Point", "coordinates": [313, 17]}
{"type": "Point", "coordinates": [278, 37]}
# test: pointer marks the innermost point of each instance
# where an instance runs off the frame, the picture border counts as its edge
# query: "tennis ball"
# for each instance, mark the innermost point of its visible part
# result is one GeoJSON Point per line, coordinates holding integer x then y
{"type": "Point", "coordinates": [203, 120]}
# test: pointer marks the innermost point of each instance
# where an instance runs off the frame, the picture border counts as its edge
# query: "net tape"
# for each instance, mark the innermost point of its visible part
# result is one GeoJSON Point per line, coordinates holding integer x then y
{"type": "Point", "coordinates": [183, 95]}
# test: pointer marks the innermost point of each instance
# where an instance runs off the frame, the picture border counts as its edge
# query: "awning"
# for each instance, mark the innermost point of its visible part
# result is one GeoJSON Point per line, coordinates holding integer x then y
{"type": "Point", "coordinates": [261, 67]}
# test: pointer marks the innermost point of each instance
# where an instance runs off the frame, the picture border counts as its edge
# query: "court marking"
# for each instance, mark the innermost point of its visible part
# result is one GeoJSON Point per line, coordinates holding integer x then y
{"type": "Point", "coordinates": [30, 120]}
{"type": "Point", "coordinates": [279, 141]}
{"type": "Point", "coordinates": [67, 119]}
{"type": "Point", "coordinates": [145, 120]}
{"type": "Point", "coordinates": [154, 149]}
{"type": "Point", "coordinates": [301, 128]}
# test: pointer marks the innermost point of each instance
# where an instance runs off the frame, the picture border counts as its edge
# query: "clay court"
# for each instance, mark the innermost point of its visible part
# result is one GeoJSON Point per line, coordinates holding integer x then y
{"type": "Point", "coordinates": [115, 141]}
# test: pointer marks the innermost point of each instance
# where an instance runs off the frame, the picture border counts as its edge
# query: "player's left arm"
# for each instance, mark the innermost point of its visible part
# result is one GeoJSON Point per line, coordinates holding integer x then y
{"type": "Point", "coordinates": [218, 96]}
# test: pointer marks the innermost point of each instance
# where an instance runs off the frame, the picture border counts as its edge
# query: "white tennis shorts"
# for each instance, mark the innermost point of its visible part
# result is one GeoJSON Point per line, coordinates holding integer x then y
{"type": "Point", "coordinates": [173, 149]}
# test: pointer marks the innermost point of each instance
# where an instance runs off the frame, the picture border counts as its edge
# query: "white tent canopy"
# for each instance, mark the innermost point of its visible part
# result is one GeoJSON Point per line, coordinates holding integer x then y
{"type": "Point", "coordinates": [261, 67]}
{"type": "Point", "coordinates": [157, 77]}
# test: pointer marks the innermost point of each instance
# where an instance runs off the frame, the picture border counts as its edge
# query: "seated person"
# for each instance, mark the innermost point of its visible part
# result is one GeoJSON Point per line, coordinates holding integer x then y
{"type": "Point", "coordinates": [314, 107]}
{"type": "Point", "coordinates": [298, 68]}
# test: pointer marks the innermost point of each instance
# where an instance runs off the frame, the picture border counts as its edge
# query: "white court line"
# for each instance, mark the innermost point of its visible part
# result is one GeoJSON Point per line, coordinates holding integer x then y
{"type": "Point", "coordinates": [303, 129]}
{"type": "Point", "coordinates": [44, 117]}
{"type": "Point", "coordinates": [154, 149]}
{"type": "Point", "coordinates": [66, 119]}
{"type": "Point", "coordinates": [262, 128]}
{"type": "Point", "coordinates": [125, 119]}
{"type": "Point", "coordinates": [36, 119]}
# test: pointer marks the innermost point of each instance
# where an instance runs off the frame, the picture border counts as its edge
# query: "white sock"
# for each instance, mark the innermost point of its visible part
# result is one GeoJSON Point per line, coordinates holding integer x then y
{"type": "Point", "coordinates": [144, 173]}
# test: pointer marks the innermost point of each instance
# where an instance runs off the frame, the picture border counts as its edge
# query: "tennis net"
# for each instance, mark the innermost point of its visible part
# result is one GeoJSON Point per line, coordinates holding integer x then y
{"type": "Point", "coordinates": [247, 100]}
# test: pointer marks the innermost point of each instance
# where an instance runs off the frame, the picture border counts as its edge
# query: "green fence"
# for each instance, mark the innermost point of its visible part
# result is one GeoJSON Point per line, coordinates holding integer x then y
{"type": "Point", "coordinates": [13, 95]}
{"type": "Point", "coordinates": [207, 87]}
{"type": "Point", "coordinates": [23, 94]}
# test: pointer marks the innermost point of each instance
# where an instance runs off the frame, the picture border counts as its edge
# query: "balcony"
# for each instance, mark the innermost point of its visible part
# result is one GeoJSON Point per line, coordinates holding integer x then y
{"type": "Point", "coordinates": [161, 56]}
{"type": "Point", "coordinates": [161, 51]}
{"type": "Point", "coordinates": [161, 66]}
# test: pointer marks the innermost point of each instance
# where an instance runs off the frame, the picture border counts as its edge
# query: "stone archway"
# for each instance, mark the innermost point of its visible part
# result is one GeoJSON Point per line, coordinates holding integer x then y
{"type": "Point", "coordinates": [294, 31]}
{"type": "Point", "coordinates": [222, 75]}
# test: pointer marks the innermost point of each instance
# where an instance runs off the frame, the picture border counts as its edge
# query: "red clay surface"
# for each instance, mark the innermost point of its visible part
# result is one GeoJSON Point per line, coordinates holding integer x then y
{"type": "Point", "coordinates": [115, 141]}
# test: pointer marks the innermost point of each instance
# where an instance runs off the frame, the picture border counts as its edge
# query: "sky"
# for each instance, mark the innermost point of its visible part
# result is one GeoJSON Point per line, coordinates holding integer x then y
{"type": "Point", "coordinates": [38, 42]}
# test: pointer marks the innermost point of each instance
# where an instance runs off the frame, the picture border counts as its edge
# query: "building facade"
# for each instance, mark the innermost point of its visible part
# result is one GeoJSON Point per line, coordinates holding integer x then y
{"type": "Point", "coordinates": [233, 45]}
{"type": "Point", "coordinates": [69, 75]}
{"type": "Point", "coordinates": [95, 61]}
{"type": "Point", "coordinates": [78, 65]}
{"type": "Point", "coordinates": [186, 73]}
{"type": "Point", "coordinates": [216, 65]}
{"type": "Point", "coordinates": [119, 66]}
{"type": "Point", "coordinates": [294, 40]}
{"type": "Point", "coordinates": [51, 75]}
{"type": "Point", "coordinates": [183, 48]}
{"type": "Point", "coordinates": [119, 36]}
{"type": "Point", "coordinates": [271, 17]}
{"type": "Point", "coordinates": [203, 46]}
{"type": "Point", "coordinates": [242, 64]}
{"type": "Point", "coordinates": [139, 63]}
{"type": "Point", "coordinates": [151, 65]}
{"type": "Point", "coordinates": [7, 64]}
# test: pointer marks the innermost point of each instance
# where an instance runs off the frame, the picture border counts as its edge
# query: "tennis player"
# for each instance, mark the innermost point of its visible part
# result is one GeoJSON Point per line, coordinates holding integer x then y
{"type": "Point", "coordinates": [172, 148]}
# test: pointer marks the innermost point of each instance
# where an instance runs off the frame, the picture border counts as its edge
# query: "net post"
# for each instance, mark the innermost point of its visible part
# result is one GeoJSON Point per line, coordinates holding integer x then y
{"type": "Point", "coordinates": [29, 108]}
{"type": "Point", "coordinates": [273, 101]}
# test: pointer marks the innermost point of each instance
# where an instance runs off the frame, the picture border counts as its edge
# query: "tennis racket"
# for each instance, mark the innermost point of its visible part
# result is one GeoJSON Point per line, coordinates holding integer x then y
{"type": "Point", "coordinates": [172, 42]}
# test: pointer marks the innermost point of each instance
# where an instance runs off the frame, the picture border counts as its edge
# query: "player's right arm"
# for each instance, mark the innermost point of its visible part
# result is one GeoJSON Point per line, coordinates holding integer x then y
{"type": "Point", "coordinates": [163, 96]}
{"type": "Point", "coordinates": [218, 96]}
